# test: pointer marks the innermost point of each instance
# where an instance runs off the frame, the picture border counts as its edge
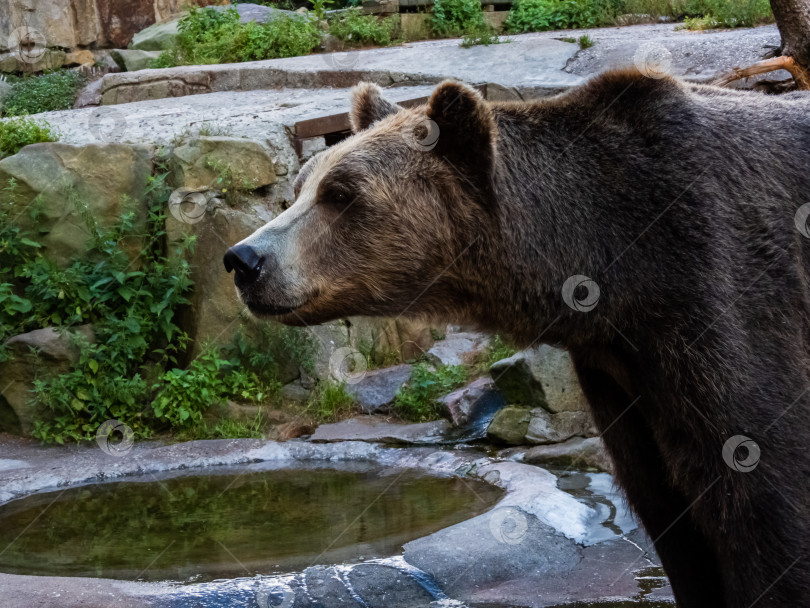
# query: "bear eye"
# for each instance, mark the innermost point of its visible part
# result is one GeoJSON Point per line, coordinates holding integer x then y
{"type": "Point", "coordinates": [339, 198]}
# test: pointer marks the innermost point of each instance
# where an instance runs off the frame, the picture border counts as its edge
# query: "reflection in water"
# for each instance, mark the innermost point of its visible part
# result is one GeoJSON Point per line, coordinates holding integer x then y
{"type": "Point", "coordinates": [202, 527]}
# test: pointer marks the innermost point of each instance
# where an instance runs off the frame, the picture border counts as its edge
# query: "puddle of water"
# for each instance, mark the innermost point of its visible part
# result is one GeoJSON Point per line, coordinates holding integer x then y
{"type": "Point", "coordinates": [202, 527]}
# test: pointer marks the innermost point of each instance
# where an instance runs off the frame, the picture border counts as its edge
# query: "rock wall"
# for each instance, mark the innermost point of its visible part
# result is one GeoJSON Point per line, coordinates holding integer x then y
{"type": "Point", "coordinates": [71, 24]}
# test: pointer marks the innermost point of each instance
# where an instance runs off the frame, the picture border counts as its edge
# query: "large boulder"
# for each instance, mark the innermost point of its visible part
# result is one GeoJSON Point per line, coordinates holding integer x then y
{"type": "Point", "coordinates": [510, 425]}
{"type": "Point", "coordinates": [35, 355]}
{"type": "Point", "coordinates": [459, 348]}
{"type": "Point", "coordinates": [507, 543]}
{"type": "Point", "coordinates": [377, 429]}
{"type": "Point", "coordinates": [77, 184]}
{"type": "Point", "coordinates": [71, 24]}
{"type": "Point", "coordinates": [586, 452]}
{"type": "Point", "coordinates": [520, 425]}
{"type": "Point", "coordinates": [554, 428]}
{"type": "Point", "coordinates": [375, 390]}
{"type": "Point", "coordinates": [50, 22]}
{"type": "Point", "coordinates": [540, 377]}
{"type": "Point", "coordinates": [215, 313]}
{"type": "Point", "coordinates": [131, 60]}
{"type": "Point", "coordinates": [460, 405]}
{"type": "Point", "coordinates": [157, 37]}
{"type": "Point", "coordinates": [223, 162]}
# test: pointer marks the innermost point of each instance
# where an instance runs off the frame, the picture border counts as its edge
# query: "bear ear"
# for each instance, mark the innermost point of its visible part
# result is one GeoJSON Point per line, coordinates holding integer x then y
{"type": "Point", "coordinates": [368, 106]}
{"type": "Point", "coordinates": [467, 131]}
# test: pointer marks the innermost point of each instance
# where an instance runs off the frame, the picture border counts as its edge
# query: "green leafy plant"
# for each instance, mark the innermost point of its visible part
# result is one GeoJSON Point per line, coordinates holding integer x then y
{"type": "Point", "coordinates": [457, 17]}
{"type": "Point", "coordinates": [207, 36]}
{"type": "Point", "coordinates": [319, 8]}
{"type": "Point", "coordinates": [357, 29]}
{"type": "Point", "coordinates": [417, 399]}
{"type": "Point", "coordinates": [498, 350]}
{"type": "Point", "coordinates": [17, 133]}
{"type": "Point", "coordinates": [35, 94]}
{"type": "Point", "coordinates": [132, 312]}
{"type": "Point", "coordinates": [540, 15]}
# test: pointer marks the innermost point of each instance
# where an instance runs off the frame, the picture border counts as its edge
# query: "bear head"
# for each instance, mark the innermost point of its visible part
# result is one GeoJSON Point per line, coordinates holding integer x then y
{"type": "Point", "coordinates": [385, 223]}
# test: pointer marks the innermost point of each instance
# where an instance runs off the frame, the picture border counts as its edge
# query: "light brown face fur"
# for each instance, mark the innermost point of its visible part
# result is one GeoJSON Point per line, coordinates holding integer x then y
{"type": "Point", "coordinates": [377, 223]}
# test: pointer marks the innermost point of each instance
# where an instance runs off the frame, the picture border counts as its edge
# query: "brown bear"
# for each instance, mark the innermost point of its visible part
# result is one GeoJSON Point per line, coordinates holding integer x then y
{"type": "Point", "coordinates": [655, 229]}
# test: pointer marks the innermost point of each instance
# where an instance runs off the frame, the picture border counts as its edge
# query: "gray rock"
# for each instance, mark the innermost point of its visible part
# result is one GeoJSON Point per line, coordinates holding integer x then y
{"type": "Point", "coordinates": [553, 428]}
{"type": "Point", "coordinates": [9, 63]}
{"type": "Point", "coordinates": [510, 425]}
{"type": "Point", "coordinates": [458, 405]}
{"type": "Point", "coordinates": [384, 586]}
{"type": "Point", "coordinates": [132, 60]}
{"type": "Point", "coordinates": [35, 355]}
{"type": "Point", "coordinates": [157, 37]}
{"type": "Point", "coordinates": [5, 87]}
{"type": "Point", "coordinates": [215, 313]}
{"type": "Point", "coordinates": [108, 178]}
{"type": "Point", "coordinates": [377, 429]}
{"type": "Point", "coordinates": [587, 452]}
{"type": "Point", "coordinates": [89, 96]}
{"type": "Point", "coordinates": [105, 60]}
{"type": "Point", "coordinates": [294, 392]}
{"type": "Point", "coordinates": [541, 377]}
{"type": "Point", "coordinates": [505, 544]}
{"type": "Point", "coordinates": [375, 389]}
{"type": "Point", "coordinates": [205, 161]}
{"type": "Point", "coordinates": [459, 348]}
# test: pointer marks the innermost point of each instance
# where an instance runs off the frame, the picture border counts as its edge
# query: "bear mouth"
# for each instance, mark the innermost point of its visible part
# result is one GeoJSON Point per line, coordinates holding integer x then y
{"type": "Point", "coordinates": [264, 309]}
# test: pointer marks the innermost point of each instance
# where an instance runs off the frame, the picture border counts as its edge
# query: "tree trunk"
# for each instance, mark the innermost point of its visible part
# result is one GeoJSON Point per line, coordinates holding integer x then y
{"type": "Point", "coordinates": [793, 21]}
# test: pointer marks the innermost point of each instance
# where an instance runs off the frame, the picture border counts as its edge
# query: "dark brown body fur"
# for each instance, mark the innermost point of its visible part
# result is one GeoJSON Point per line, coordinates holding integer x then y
{"type": "Point", "coordinates": [679, 203]}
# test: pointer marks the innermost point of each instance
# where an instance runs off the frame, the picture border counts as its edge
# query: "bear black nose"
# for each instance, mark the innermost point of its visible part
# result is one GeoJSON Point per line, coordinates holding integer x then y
{"type": "Point", "coordinates": [245, 261]}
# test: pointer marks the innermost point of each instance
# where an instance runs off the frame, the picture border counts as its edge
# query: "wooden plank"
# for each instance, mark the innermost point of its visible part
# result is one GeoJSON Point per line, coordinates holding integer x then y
{"type": "Point", "coordinates": [333, 123]}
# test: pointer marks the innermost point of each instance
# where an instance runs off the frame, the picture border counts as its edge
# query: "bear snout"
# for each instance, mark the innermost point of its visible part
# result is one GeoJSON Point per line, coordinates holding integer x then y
{"type": "Point", "coordinates": [245, 262]}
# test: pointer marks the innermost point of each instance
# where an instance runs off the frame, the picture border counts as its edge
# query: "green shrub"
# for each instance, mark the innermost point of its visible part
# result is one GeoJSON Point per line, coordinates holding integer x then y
{"type": "Point", "coordinates": [35, 94]}
{"type": "Point", "coordinates": [417, 399]}
{"type": "Point", "coordinates": [16, 133]}
{"type": "Point", "coordinates": [705, 14]}
{"type": "Point", "coordinates": [132, 312]}
{"type": "Point", "coordinates": [210, 36]}
{"type": "Point", "coordinates": [457, 17]}
{"type": "Point", "coordinates": [330, 402]}
{"type": "Point", "coordinates": [541, 15]}
{"type": "Point", "coordinates": [357, 29]}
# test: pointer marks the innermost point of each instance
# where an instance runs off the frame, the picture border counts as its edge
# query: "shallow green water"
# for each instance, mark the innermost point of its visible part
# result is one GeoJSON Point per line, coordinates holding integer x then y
{"type": "Point", "coordinates": [196, 528]}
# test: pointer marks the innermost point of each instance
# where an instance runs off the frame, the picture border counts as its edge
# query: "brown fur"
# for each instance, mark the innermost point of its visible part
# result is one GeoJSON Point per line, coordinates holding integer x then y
{"type": "Point", "coordinates": [679, 202]}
